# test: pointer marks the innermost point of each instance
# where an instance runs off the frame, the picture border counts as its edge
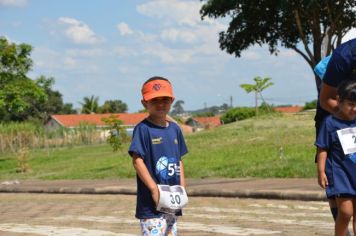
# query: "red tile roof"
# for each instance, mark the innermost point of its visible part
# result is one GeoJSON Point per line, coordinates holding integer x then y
{"type": "Point", "coordinates": [212, 121]}
{"type": "Point", "coordinates": [289, 109]}
{"type": "Point", "coordinates": [74, 120]}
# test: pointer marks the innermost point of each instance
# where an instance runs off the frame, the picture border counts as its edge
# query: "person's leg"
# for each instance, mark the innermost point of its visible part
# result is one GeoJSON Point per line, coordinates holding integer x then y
{"type": "Point", "coordinates": [345, 212]}
{"type": "Point", "coordinates": [333, 208]}
{"type": "Point", "coordinates": [354, 217]}
{"type": "Point", "coordinates": [171, 221]}
{"type": "Point", "coordinates": [154, 226]}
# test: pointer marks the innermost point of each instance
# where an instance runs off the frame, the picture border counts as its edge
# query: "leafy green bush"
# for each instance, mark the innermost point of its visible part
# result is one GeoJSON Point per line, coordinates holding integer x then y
{"type": "Point", "coordinates": [310, 105]}
{"type": "Point", "coordinates": [238, 113]}
{"type": "Point", "coordinates": [242, 113]}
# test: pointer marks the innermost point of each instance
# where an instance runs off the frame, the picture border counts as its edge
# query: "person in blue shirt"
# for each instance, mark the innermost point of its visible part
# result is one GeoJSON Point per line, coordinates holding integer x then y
{"type": "Point", "coordinates": [320, 70]}
{"type": "Point", "coordinates": [156, 149]}
{"type": "Point", "coordinates": [341, 67]}
{"type": "Point", "coordinates": [336, 155]}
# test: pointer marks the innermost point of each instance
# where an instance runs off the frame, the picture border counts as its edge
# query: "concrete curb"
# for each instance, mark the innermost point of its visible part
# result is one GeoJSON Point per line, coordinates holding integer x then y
{"type": "Point", "coordinates": [282, 189]}
{"type": "Point", "coordinates": [261, 194]}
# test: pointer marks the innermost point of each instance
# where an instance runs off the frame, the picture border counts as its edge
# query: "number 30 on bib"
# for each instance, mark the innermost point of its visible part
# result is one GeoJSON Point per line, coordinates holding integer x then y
{"type": "Point", "coordinates": [172, 198]}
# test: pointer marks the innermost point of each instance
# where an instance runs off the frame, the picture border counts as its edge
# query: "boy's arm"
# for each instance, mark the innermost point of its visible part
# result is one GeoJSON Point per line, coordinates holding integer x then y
{"type": "Point", "coordinates": [145, 176]}
{"type": "Point", "coordinates": [182, 179]}
{"type": "Point", "coordinates": [327, 98]}
{"type": "Point", "coordinates": [321, 159]}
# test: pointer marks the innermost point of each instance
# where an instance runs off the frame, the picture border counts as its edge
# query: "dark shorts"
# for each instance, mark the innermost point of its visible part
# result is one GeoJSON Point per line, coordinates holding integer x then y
{"type": "Point", "coordinates": [342, 195]}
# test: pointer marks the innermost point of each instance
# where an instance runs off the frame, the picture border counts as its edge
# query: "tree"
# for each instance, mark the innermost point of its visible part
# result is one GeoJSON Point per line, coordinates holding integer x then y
{"type": "Point", "coordinates": [90, 105]}
{"type": "Point", "coordinates": [68, 109]}
{"type": "Point", "coordinates": [117, 133]}
{"type": "Point", "coordinates": [178, 107]}
{"type": "Point", "coordinates": [17, 91]}
{"type": "Point", "coordinates": [54, 103]}
{"type": "Point", "coordinates": [113, 106]}
{"type": "Point", "coordinates": [258, 87]}
{"type": "Point", "coordinates": [309, 27]}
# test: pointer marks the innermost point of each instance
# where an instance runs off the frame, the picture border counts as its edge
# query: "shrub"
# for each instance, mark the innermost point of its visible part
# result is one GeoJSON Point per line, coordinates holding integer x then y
{"type": "Point", "coordinates": [242, 113]}
{"type": "Point", "coordinates": [310, 105]}
{"type": "Point", "coordinates": [238, 113]}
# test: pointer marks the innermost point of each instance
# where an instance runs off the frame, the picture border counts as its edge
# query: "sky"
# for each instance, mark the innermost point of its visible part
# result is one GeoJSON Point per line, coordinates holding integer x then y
{"type": "Point", "coordinates": [109, 48]}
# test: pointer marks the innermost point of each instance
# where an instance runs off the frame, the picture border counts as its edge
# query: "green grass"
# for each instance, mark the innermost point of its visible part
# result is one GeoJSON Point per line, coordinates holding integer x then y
{"type": "Point", "coordinates": [279, 146]}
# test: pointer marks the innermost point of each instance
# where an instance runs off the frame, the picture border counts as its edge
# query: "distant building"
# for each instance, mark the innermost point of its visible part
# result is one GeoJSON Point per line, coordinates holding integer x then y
{"type": "Point", "coordinates": [72, 121]}
{"type": "Point", "coordinates": [288, 109]}
{"type": "Point", "coordinates": [200, 123]}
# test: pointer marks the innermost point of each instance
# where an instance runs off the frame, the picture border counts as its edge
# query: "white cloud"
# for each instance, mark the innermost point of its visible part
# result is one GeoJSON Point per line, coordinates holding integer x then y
{"type": "Point", "coordinates": [123, 51]}
{"type": "Point", "coordinates": [78, 32]}
{"type": "Point", "coordinates": [13, 3]}
{"type": "Point", "coordinates": [124, 29]}
{"type": "Point", "coordinates": [251, 55]}
{"type": "Point", "coordinates": [182, 12]}
{"type": "Point", "coordinates": [145, 37]}
{"type": "Point", "coordinates": [70, 62]}
{"type": "Point", "coordinates": [169, 55]}
{"type": "Point", "coordinates": [84, 52]}
{"type": "Point", "coordinates": [175, 35]}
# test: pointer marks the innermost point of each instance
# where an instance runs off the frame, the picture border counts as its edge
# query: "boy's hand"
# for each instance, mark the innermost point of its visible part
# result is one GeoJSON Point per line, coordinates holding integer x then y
{"type": "Point", "coordinates": [322, 180]}
{"type": "Point", "coordinates": [155, 195]}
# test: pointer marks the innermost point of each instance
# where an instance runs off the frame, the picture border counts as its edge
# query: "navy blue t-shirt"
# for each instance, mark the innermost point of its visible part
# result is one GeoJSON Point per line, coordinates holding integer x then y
{"type": "Point", "coordinates": [342, 64]}
{"type": "Point", "coordinates": [161, 149]}
{"type": "Point", "coordinates": [340, 169]}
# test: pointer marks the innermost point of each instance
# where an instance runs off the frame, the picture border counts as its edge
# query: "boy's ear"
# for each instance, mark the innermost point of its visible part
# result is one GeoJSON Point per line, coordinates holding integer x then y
{"type": "Point", "coordinates": [337, 99]}
{"type": "Point", "coordinates": [143, 102]}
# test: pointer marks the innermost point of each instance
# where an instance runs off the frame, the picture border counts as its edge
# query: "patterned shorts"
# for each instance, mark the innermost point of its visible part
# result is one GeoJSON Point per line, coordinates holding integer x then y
{"type": "Point", "coordinates": [166, 225]}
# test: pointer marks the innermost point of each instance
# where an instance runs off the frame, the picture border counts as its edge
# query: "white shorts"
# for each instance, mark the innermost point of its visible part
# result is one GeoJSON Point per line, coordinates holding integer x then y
{"type": "Point", "coordinates": [166, 225]}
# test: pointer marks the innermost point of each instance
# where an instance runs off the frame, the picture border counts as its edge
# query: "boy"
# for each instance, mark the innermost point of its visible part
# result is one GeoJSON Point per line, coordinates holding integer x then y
{"type": "Point", "coordinates": [156, 150]}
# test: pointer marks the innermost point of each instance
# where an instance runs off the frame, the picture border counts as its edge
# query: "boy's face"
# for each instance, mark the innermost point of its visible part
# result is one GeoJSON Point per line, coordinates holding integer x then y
{"type": "Point", "coordinates": [347, 109]}
{"type": "Point", "coordinates": [159, 106]}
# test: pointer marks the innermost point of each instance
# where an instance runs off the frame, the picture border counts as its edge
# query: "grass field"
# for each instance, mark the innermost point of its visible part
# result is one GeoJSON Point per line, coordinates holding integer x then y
{"type": "Point", "coordinates": [278, 146]}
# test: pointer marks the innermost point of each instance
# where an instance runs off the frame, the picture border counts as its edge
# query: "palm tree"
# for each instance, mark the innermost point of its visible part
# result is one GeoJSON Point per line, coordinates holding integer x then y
{"type": "Point", "coordinates": [90, 105]}
{"type": "Point", "coordinates": [178, 107]}
{"type": "Point", "coordinates": [258, 87]}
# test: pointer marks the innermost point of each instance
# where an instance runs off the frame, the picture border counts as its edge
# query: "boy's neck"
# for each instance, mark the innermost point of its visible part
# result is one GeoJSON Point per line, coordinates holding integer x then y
{"type": "Point", "coordinates": [341, 116]}
{"type": "Point", "coordinates": [158, 121]}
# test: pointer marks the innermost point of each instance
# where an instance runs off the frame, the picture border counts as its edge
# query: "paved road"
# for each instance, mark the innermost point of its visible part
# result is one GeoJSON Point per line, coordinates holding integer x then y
{"type": "Point", "coordinates": [80, 214]}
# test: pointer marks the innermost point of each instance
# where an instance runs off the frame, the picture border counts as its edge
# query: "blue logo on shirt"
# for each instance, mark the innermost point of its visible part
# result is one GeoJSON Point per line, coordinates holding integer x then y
{"type": "Point", "coordinates": [166, 168]}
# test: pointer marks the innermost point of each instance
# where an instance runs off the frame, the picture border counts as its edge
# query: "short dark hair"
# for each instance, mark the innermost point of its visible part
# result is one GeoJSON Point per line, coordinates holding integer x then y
{"type": "Point", "coordinates": [347, 90]}
{"type": "Point", "coordinates": [156, 78]}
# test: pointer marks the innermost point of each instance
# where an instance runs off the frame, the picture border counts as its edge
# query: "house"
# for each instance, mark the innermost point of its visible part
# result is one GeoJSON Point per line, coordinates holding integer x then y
{"type": "Point", "coordinates": [288, 109]}
{"type": "Point", "coordinates": [72, 121]}
{"type": "Point", "coordinates": [200, 123]}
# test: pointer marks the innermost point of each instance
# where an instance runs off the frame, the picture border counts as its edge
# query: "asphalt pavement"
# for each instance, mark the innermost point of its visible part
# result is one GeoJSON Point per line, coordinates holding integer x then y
{"type": "Point", "coordinates": [305, 189]}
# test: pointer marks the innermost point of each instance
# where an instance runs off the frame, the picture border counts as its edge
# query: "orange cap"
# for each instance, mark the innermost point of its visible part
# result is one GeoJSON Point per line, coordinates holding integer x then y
{"type": "Point", "coordinates": [157, 88]}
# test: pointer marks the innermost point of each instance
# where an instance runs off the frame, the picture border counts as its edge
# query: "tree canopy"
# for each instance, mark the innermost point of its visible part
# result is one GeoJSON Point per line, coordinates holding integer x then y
{"type": "Point", "coordinates": [90, 105]}
{"type": "Point", "coordinates": [17, 91]}
{"type": "Point", "coordinates": [113, 106]}
{"type": "Point", "coordinates": [309, 27]}
{"type": "Point", "coordinates": [178, 107]}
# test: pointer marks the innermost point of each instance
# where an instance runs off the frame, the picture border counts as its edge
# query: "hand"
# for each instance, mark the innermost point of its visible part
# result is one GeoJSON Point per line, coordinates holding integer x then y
{"type": "Point", "coordinates": [322, 180]}
{"type": "Point", "coordinates": [155, 195]}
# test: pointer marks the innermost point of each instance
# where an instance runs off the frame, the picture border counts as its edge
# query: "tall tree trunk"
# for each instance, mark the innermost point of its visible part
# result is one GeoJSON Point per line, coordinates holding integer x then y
{"type": "Point", "coordinates": [256, 103]}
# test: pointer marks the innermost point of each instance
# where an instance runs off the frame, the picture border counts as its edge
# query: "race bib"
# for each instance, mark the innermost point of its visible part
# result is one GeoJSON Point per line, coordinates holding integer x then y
{"type": "Point", "coordinates": [347, 139]}
{"type": "Point", "coordinates": [171, 198]}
